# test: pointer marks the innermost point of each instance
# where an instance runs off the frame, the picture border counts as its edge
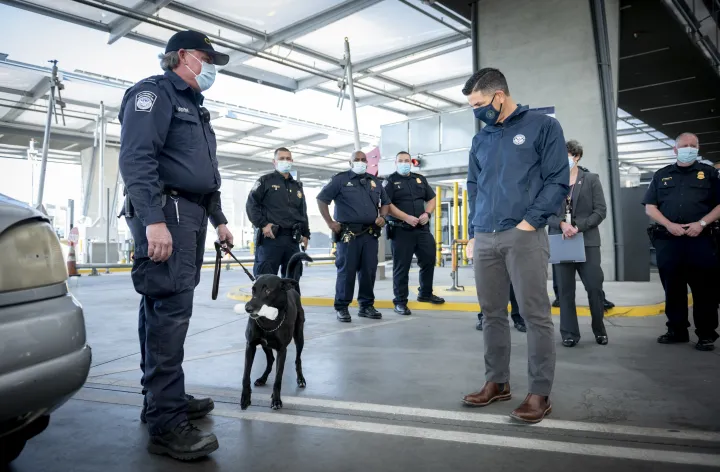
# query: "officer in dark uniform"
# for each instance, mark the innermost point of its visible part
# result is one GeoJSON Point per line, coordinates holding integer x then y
{"type": "Point", "coordinates": [361, 205]}
{"type": "Point", "coordinates": [168, 164]}
{"type": "Point", "coordinates": [412, 201]}
{"type": "Point", "coordinates": [276, 207]}
{"type": "Point", "coordinates": [684, 200]}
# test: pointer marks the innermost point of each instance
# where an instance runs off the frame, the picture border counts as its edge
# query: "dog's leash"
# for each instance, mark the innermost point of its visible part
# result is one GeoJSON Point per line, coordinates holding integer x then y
{"type": "Point", "coordinates": [225, 247]}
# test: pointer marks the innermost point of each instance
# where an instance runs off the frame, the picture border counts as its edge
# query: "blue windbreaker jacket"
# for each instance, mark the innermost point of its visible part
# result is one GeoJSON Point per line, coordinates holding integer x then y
{"type": "Point", "coordinates": [518, 170]}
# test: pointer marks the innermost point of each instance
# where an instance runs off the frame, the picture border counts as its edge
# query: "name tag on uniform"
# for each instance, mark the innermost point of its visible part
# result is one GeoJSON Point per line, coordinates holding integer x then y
{"type": "Point", "coordinates": [182, 110]}
{"type": "Point", "coordinates": [276, 187]}
{"type": "Point", "coordinates": [349, 184]}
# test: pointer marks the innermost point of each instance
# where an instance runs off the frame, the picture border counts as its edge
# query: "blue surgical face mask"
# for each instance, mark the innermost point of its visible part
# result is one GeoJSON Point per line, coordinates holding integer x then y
{"type": "Point", "coordinates": [284, 166]}
{"type": "Point", "coordinates": [207, 74]}
{"type": "Point", "coordinates": [403, 168]}
{"type": "Point", "coordinates": [488, 114]}
{"type": "Point", "coordinates": [571, 162]}
{"type": "Point", "coordinates": [359, 167]}
{"type": "Point", "coordinates": [687, 155]}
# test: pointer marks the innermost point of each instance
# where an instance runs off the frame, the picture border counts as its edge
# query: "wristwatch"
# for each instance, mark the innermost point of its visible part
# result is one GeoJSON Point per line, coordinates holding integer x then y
{"type": "Point", "coordinates": [703, 223]}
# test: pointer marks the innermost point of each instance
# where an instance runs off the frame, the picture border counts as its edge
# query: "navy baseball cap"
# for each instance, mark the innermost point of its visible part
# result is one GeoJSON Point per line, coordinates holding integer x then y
{"type": "Point", "coordinates": [197, 41]}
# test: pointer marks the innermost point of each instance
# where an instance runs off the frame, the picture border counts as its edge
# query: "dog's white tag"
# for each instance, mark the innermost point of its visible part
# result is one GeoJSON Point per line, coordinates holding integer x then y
{"type": "Point", "coordinates": [268, 312]}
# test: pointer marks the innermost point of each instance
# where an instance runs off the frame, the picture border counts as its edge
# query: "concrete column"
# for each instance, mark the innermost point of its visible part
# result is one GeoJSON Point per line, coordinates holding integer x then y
{"type": "Point", "coordinates": [547, 52]}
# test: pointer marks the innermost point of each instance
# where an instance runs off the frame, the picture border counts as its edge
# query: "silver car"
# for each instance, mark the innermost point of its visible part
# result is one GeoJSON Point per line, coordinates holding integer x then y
{"type": "Point", "coordinates": [44, 357]}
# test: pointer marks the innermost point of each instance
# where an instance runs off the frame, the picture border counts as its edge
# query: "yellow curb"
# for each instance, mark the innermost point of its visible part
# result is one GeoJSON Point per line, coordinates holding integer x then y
{"type": "Point", "coordinates": [628, 311]}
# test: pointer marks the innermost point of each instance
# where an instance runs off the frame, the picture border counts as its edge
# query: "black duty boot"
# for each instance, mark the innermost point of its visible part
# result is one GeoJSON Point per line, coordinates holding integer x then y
{"type": "Point", "coordinates": [402, 309]}
{"type": "Point", "coordinates": [608, 305]}
{"type": "Point", "coordinates": [197, 408]}
{"type": "Point", "coordinates": [369, 312]}
{"type": "Point", "coordinates": [343, 315]}
{"type": "Point", "coordinates": [705, 345]}
{"type": "Point", "coordinates": [434, 299]}
{"type": "Point", "coordinates": [185, 442]}
{"type": "Point", "coordinates": [673, 337]}
{"type": "Point", "coordinates": [556, 303]}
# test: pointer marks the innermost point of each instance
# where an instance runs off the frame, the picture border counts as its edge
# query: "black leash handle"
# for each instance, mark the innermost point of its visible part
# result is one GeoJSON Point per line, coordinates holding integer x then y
{"type": "Point", "coordinates": [224, 246]}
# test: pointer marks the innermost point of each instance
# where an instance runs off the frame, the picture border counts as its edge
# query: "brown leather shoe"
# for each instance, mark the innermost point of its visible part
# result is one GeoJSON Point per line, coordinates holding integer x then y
{"type": "Point", "coordinates": [491, 392]}
{"type": "Point", "coordinates": [533, 409]}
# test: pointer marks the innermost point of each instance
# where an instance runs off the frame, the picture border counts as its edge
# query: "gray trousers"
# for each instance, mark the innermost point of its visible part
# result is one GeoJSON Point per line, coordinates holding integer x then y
{"type": "Point", "coordinates": [520, 257]}
{"type": "Point", "coordinates": [592, 278]}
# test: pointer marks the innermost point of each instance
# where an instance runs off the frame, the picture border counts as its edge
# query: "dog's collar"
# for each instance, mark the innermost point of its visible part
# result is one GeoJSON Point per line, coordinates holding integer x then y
{"type": "Point", "coordinates": [272, 330]}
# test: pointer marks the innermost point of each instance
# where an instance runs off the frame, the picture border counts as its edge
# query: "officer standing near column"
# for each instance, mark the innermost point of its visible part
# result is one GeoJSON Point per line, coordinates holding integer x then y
{"type": "Point", "coordinates": [412, 201]}
{"type": "Point", "coordinates": [170, 170]}
{"type": "Point", "coordinates": [276, 207]}
{"type": "Point", "coordinates": [684, 199]}
{"type": "Point", "coordinates": [361, 205]}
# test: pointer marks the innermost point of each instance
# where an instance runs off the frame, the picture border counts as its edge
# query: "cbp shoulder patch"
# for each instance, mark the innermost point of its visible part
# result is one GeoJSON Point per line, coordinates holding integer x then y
{"type": "Point", "coordinates": [256, 186]}
{"type": "Point", "coordinates": [144, 101]}
{"type": "Point", "coordinates": [385, 182]}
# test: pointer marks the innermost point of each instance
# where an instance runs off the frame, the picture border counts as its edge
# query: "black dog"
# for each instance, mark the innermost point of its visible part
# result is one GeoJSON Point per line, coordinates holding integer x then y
{"type": "Point", "coordinates": [283, 295]}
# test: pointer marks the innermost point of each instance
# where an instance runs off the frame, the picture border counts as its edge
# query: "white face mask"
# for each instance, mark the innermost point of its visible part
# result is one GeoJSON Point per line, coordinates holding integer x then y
{"type": "Point", "coordinates": [571, 162]}
{"type": "Point", "coordinates": [207, 74]}
{"type": "Point", "coordinates": [359, 167]}
{"type": "Point", "coordinates": [284, 166]}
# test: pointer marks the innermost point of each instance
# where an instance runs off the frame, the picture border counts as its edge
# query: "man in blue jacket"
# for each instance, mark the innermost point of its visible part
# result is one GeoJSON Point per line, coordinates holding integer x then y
{"type": "Point", "coordinates": [518, 175]}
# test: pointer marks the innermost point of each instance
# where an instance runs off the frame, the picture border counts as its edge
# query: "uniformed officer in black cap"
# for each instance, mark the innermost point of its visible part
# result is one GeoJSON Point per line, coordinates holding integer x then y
{"type": "Point", "coordinates": [276, 207]}
{"type": "Point", "coordinates": [684, 199]}
{"type": "Point", "coordinates": [412, 202]}
{"type": "Point", "coordinates": [361, 205]}
{"type": "Point", "coordinates": [170, 170]}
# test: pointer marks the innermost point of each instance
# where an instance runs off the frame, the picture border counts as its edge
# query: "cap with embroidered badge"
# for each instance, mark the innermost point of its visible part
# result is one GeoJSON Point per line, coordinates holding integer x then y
{"type": "Point", "coordinates": [196, 41]}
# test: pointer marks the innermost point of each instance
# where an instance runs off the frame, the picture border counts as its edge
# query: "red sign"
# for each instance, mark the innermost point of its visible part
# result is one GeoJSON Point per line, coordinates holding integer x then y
{"type": "Point", "coordinates": [74, 236]}
{"type": "Point", "coordinates": [373, 158]}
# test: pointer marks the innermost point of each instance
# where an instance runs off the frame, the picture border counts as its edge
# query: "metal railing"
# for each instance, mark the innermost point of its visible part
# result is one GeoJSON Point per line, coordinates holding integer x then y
{"type": "Point", "coordinates": [226, 260]}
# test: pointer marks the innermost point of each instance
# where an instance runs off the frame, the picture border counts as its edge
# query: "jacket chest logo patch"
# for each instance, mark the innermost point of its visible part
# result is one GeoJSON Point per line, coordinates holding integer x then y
{"type": "Point", "coordinates": [372, 184]}
{"type": "Point", "coordinates": [418, 180]}
{"type": "Point", "coordinates": [299, 194]}
{"type": "Point", "coordinates": [519, 139]}
{"type": "Point", "coordinates": [276, 187]}
{"type": "Point", "coordinates": [349, 184]}
{"type": "Point", "coordinates": [701, 175]}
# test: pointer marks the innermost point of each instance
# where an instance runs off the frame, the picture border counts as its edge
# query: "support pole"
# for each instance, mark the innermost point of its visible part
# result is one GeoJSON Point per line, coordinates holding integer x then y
{"type": "Point", "coordinates": [456, 211]}
{"type": "Point", "coordinates": [438, 227]}
{"type": "Point", "coordinates": [602, 47]}
{"type": "Point", "coordinates": [475, 39]}
{"type": "Point", "coordinates": [351, 89]}
{"type": "Point", "coordinates": [46, 139]}
{"type": "Point", "coordinates": [70, 215]}
{"type": "Point", "coordinates": [107, 231]}
{"type": "Point", "coordinates": [101, 167]}
{"type": "Point", "coordinates": [465, 222]}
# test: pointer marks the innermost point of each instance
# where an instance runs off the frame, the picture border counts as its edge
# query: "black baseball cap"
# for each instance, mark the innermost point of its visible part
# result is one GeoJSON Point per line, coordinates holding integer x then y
{"type": "Point", "coordinates": [197, 41]}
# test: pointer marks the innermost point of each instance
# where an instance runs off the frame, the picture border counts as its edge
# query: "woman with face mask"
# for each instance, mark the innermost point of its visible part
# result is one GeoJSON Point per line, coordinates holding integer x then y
{"type": "Point", "coordinates": [583, 210]}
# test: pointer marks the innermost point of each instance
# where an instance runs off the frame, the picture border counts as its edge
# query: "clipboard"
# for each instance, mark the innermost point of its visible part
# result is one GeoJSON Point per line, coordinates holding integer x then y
{"type": "Point", "coordinates": [566, 250]}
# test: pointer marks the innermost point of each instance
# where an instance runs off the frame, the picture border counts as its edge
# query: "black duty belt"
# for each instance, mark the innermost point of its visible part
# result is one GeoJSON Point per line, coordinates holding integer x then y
{"type": "Point", "coordinates": [201, 199]}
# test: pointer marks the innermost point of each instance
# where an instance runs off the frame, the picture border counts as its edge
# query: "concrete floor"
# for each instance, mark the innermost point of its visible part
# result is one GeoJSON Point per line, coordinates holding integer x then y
{"type": "Point", "coordinates": [385, 395]}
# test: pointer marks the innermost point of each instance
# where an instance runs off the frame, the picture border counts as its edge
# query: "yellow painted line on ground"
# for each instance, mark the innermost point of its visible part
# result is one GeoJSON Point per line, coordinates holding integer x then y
{"type": "Point", "coordinates": [128, 269]}
{"type": "Point", "coordinates": [628, 311]}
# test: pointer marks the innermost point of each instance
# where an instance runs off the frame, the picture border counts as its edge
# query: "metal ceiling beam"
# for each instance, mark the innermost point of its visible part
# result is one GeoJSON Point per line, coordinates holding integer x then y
{"type": "Point", "coordinates": [383, 59]}
{"type": "Point", "coordinates": [435, 18]}
{"type": "Point", "coordinates": [422, 88]}
{"type": "Point", "coordinates": [37, 92]}
{"type": "Point", "coordinates": [305, 26]}
{"type": "Point", "coordinates": [123, 25]}
{"type": "Point", "coordinates": [262, 77]}
{"type": "Point", "coordinates": [259, 131]}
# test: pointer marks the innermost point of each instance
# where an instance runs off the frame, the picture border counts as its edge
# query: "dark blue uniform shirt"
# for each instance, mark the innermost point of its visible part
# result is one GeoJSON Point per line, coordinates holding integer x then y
{"type": "Point", "coordinates": [518, 170]}
{"type": "Point", "coordinates": [408, 193]}
{"type": "Point", "coordinates": [277, 200]}
{"type": "Point", "coordinates": [165, 142]}
{"type": "Point", "coordinates": [357, 197]}
{"type": "Point", "coordinates": [684, 194]}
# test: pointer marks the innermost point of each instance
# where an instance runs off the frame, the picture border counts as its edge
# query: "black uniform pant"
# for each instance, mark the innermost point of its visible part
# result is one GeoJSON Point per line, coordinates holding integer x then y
{"type": "Point", "coordinates": [273, 254]}
{"type": "Point", "coordinates": [358, 257]}
{"type": "Point", "coordinates": [592, 277]}
{"type": "Point", "coordinates": [167, 290]}
{"type": "Point", "coordinates": [684, 261]}
{"type": "Point", "coordinates": [405, 243]}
